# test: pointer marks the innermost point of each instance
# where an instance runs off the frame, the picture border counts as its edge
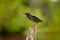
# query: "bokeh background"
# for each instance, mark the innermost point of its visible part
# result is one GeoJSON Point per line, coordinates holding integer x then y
{"type": "Point", "coordinates": [13, 21]}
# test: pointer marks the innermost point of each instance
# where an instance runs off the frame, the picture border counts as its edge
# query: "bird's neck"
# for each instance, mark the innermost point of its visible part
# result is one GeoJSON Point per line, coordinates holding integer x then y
{"type": "Point", "coordinates": [28, 15]}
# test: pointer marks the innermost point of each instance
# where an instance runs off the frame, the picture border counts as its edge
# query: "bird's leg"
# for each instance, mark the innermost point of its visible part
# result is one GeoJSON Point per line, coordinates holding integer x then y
{"type": "Point", "coordinates": [35, 24]}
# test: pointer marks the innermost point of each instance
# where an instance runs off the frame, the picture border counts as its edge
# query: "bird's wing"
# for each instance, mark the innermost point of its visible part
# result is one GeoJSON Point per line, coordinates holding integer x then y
{"type": "Point", "coordinates": [34, 18]}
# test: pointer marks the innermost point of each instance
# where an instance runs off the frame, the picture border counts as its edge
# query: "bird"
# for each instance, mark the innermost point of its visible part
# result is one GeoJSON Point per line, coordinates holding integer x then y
{"type": "Point", "coordinates": [33, 18]}
{"type": "Point", "coordinates": [32, 30]}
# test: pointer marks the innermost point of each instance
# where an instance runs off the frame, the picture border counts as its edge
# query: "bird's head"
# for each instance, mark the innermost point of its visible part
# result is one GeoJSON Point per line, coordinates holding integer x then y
{"type": "Point", "coordinates": [27, 14]}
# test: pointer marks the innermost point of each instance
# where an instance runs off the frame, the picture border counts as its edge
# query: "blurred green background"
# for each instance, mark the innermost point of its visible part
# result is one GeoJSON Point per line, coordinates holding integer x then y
{"type": "Point", "coordinates": [15, 22]}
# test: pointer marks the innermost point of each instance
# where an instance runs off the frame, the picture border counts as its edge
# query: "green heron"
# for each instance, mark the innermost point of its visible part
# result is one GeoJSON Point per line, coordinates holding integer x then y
{"type": "Point", "coordinates": [33, 18]}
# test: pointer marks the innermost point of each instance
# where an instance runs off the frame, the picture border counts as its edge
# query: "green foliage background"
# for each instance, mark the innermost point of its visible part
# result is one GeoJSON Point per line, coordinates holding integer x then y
{"type": "Point", "coordinates": [12, 17]}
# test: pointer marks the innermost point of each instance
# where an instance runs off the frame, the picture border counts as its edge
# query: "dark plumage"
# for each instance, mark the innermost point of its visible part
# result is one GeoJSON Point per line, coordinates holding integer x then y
{"type": "Point", "coordinates": [32, 17]}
